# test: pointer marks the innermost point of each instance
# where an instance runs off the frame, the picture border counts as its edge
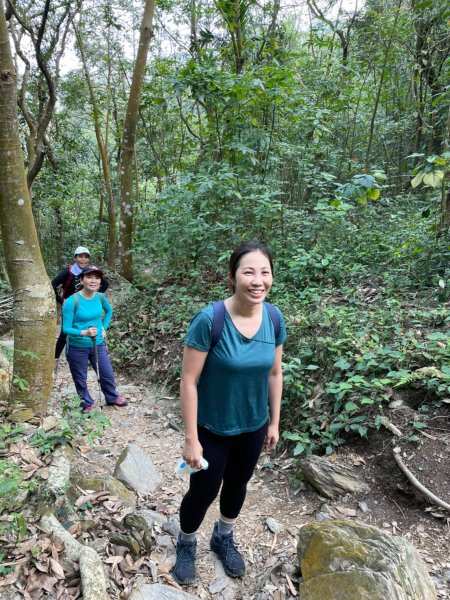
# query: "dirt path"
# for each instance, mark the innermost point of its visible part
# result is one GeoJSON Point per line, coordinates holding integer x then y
{"type": "Point", "coordinates": [152, 421]}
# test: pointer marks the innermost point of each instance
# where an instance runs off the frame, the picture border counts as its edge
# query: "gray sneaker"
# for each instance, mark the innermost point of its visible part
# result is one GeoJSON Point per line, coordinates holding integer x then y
{"type": "Point", "coordinates": [230, 557]}
{"type": "Point", "coordinates": [184, 570]}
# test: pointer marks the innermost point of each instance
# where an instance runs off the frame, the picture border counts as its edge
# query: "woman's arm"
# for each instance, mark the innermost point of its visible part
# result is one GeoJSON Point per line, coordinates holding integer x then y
{"type": "Point", "coordinates": [193, 362]}
{"type": "Point", "coordinates": [59, 281]}
{"type": "Point", "coordinates": [275, 391]}
{"type": "Point", "coordinates": [108, 313]}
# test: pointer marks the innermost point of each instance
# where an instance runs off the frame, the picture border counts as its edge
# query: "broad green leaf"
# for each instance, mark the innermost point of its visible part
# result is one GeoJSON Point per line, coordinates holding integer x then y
{"type": "Point", "coordinates": [433, 179]}
{"type": "Point", "coordinates": [417, 180]}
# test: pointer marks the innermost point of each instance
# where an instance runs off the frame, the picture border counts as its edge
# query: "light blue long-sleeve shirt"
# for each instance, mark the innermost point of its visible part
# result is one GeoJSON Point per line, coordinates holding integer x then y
{"type": "Point", "coordinates": [79, 312]}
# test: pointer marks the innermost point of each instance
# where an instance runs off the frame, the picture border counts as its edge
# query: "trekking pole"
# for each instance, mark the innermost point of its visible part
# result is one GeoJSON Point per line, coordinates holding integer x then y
{"type": "Point", "coordinates": [97, 370]}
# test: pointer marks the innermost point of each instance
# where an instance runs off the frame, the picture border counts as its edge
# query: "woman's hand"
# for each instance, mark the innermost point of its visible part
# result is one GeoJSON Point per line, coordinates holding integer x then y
{"type": "Point", "coordinates": [193, 453]}
{"type": "Point", "coordinates": [90, 332]}
{"type": "Point", "coordinates": [272, 437]}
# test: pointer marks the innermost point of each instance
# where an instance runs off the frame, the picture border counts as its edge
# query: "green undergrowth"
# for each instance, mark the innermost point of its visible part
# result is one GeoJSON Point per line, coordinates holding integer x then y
{"type": "Point", "coordinates": [20, 491]}
{"type": "Point", "coordinates": [366, 300]}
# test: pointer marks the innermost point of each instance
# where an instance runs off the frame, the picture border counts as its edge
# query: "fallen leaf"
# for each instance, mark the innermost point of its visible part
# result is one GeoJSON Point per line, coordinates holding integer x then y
{"type": "Point", "coordinates": [57, 568]}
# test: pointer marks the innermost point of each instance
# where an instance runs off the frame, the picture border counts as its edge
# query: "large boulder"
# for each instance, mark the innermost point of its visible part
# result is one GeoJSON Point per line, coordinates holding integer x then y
{"type": "Point", "coordinates": [137, 471]}
{"type": "Point", "coordinates": [343, 560]}
{"type": "Point", "coordinates": [329, 478]}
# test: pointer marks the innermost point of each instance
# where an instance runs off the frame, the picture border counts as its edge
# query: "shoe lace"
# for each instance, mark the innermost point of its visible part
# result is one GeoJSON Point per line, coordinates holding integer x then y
{"type": "Point", "coordinates": [186, 553]}
{"type": "Point", "coordinates": [230, 548]}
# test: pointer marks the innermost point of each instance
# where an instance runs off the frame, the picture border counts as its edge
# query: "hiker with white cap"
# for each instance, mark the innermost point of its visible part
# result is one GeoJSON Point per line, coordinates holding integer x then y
{"type": "Point", "coordinates": [67, 282]}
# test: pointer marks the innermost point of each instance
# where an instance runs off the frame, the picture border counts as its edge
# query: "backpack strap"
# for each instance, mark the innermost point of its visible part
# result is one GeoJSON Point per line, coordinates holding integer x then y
{"type": "Point", "coordinates": [218, 322]}
{"type": "Point", "coordinates": [275, 316]}
{"type": "Point", "coordinates": [76, 303]}
{"type": "Point", "coordinates": [102, 299]}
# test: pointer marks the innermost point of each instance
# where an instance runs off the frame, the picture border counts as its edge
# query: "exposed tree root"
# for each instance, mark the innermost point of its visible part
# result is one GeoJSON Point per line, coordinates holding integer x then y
{"type": "Point", "coordinates": [416, 483]}
{"type": "Point", "coordinates": [390, 426]}
{"type": "Point", "coordinates": [93, 581]}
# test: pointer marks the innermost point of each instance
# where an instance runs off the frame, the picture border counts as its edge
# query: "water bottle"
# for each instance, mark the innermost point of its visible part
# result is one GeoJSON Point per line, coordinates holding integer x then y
{"type": "Point", "coordinates": [184, 469]}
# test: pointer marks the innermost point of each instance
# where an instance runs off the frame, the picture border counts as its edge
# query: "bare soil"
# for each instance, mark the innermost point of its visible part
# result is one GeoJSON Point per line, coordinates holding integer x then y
{"type": "Point", "coordinates": [152, 421]}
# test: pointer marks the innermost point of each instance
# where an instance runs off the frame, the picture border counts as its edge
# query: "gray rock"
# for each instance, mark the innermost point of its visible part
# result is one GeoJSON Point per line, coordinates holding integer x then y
{"type": "Point", "coordinates": [158, 591]}
{"type": "Point", "coordinates": [396, 403]}
{"type": "Point", "coordinates": [329, 478]}
{"type": "Point", "coordinates": [153, 518]}
{"type": "Point", "coordinates": [321, 516]}
{"type": "Point", "coordinates": [136, 470]}
{"type": "Point", "coordinates": [218, 585]}
{"type": "Point", "coordinates": [165, 541]}
{"type": "Point", "coordinates": [351, 561]}
{"type": "Point", "coordinates": [10, 594]}
{"type": "Point", "coordinates": [363, 507]}
{"type": "Point", "coordinates": [49, 423]}
{"type": "Point", "coordinates": [273, 525]}
{"type": "Point", "coordinates": [171, 526]}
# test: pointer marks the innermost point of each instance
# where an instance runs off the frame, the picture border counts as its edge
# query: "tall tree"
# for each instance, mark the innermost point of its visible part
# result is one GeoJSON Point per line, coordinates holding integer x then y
{"type": "Point", "coordinates": [103, 151]}
{"type": "Point", "coordinates": [47, 29]}
{"type": "Point", "coordinates": [34, 303]}
{"type": "Point", "coordinates": [127, 163]}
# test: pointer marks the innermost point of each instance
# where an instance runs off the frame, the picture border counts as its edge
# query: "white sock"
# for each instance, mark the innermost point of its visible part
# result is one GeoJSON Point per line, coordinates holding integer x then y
{"type": "Point", "coordinates": [225, 525]}
{"type": "Point", "coordinates": [187, 537]}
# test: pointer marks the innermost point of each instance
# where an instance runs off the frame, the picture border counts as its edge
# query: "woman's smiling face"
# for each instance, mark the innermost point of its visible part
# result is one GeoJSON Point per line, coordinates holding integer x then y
{"type": "Point", "coordinates": [82, 260]}
{"type": "Point", "coordinates": [91, 282]}
{"type": "Point", "coordinates": [253, 278]}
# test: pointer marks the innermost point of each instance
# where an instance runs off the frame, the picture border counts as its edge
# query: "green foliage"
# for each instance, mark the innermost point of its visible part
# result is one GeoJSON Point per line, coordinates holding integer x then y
{"type": "Point", "coordinates": [11, 484]}
{"type": "Point", "coordinates": [432, 171]}
{"type": "Point", "coordinates": [259, 129]}
{"type": "Point", "coordinates": [9, 432]}
{"type": "Point", "coordinates": [74, 424]}
{"type": "Point", "coordinates": [4, 570]}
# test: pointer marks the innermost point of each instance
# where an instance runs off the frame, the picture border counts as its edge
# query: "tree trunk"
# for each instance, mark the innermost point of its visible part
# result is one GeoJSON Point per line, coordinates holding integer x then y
{"type": "Point", "coordinates": [103, 150]}
{"type": "Point", "coordinates": [34, 303]}
{"type": "Point", "coordinates": [380, 84]}
{"type": "Point", "coordinates": [128, 144]}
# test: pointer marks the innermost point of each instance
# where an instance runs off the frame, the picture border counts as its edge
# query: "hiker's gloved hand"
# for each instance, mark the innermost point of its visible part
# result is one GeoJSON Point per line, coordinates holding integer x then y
{"type": "Point", "coordinates": [193, 453]}
{"type": "Point", "coordinates": [91, 331]}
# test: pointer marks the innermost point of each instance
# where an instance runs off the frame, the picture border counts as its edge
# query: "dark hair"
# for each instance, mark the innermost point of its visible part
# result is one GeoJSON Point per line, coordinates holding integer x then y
{"type": "Point", "coordinates": [245, 248]}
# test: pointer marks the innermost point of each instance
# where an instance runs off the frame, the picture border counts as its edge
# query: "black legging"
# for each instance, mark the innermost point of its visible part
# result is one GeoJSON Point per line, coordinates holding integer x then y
{"type": "Point", "coordinates": [232, 460]}
{"type": "Point", "coordinates": [60, 343]}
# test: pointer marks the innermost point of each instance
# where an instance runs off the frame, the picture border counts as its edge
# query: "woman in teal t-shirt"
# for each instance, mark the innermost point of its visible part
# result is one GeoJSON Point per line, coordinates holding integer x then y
{"type": "Point", "coordinates": [86, 316]}
{"type": "Point", "coordinates": [231, 387]}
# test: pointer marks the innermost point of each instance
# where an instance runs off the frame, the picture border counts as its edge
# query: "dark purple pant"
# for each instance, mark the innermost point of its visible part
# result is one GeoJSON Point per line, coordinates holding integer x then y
{"type": "Point", "coordinates": [79, 359]}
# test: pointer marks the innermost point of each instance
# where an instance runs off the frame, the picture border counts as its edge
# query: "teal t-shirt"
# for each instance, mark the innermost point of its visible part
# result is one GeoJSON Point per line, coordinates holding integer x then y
{"type": "Point", "coordinates": [80, 313]}
{"type": "Point", "coordinates": [233, 388]}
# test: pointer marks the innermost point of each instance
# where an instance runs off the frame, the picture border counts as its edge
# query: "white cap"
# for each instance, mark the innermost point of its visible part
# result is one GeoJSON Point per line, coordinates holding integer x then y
{"type": "Point", "coordinates": [81, 250]}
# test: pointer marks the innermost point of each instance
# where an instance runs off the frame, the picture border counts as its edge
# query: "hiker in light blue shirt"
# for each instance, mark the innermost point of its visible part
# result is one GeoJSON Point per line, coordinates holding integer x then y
{"type": "Point", "coordinates": [231, 385]}
{"type": "Point", "coordinates": [86, 316]}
